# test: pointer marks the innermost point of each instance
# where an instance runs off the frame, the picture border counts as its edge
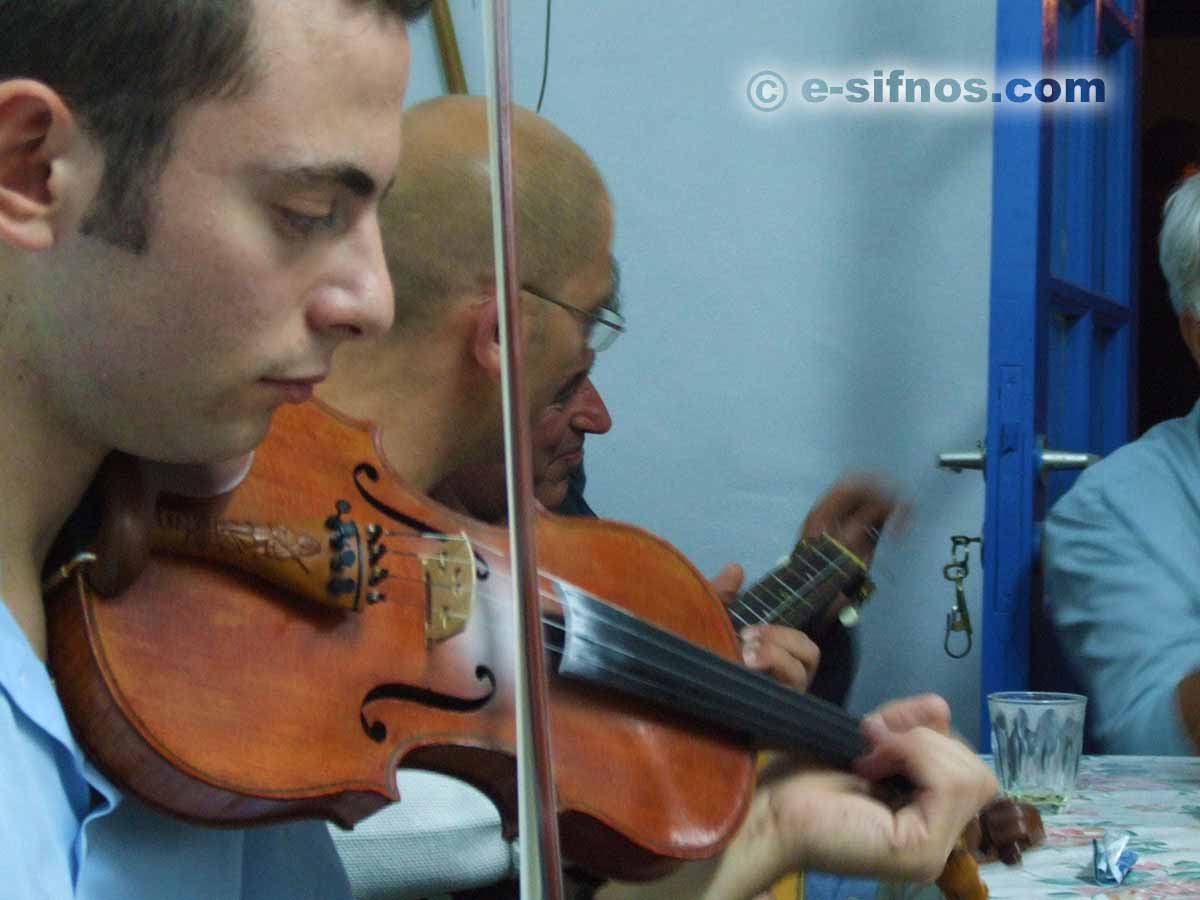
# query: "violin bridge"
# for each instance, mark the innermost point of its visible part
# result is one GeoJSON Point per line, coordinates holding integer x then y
{"type": "Point", "coordinates": [449, 587]}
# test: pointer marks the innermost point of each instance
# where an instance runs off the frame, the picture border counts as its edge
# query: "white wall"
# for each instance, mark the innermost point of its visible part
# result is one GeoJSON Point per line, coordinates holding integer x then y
{"type": "Point", "coordinates": [807, 291]}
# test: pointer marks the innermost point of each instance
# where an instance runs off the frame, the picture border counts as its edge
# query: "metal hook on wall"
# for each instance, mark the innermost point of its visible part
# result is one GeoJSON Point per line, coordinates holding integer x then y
{"type": "Point", "coordinates": [957, 570]}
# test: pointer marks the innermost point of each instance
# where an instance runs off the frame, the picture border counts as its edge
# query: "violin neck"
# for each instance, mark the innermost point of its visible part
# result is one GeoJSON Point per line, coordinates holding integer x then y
{"type": "Point", "coordinates": [801, 590]}
{"type": "Point", "coordinates": [608, 646]}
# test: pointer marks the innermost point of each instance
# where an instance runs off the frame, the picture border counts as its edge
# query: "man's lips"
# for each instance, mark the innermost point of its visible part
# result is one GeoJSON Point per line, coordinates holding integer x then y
{"type": "Point", "coordinates": [571, 459]}
{"type": "Point", "coordinates": [294, 390]}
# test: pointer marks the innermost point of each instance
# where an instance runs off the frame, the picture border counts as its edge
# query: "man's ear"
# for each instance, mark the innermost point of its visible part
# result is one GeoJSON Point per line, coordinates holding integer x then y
{"type": "Point", "coordinates": [36, 132]}
{"type": "Point", "coordinates": [1189, 327]}
{"type": "Point", "coordinates": [485, 343]}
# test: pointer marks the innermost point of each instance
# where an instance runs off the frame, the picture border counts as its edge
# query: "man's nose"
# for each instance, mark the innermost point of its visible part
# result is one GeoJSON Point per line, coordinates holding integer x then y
{"type": "Point", "coordinates": [356, 300]}
{"type": "Point", "coordinates": [592, 415]}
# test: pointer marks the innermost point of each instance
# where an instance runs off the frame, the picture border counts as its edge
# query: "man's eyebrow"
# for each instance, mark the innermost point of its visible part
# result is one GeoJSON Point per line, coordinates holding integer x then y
{"type": "Point", "coordinates": [346, 175]}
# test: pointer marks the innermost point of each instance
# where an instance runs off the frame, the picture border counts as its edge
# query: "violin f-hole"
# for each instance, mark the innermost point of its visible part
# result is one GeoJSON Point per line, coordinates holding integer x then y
{"type": "Point", "coordinates": [377, 731]}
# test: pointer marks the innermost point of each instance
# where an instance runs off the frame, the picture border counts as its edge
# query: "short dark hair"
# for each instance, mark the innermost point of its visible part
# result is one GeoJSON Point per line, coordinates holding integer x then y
{"type": "Point", "coordinates": [127, 67]}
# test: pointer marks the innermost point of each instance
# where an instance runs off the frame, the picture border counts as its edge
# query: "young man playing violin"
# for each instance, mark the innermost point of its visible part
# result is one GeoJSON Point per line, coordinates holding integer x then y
{"type": "Point", "coordinates": [188, 198]}
{"type": "Point", "coordinates": [432, 385]}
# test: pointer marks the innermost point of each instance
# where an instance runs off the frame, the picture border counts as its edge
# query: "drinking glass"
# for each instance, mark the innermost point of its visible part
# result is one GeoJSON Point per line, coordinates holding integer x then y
{"type": "Point", "coordinates": [1037, 738]}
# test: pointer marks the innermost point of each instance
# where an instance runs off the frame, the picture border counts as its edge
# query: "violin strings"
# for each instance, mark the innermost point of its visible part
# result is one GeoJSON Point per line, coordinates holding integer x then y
{"type": "Point", "coordinates": [415, 580]}
{"type": "Point", "coordinates": [730, 683]}
{"type": "Point", "coordinates": [813, 727]}
{"type": "Point", "coordinates": [836, 727]}
{"type": "Point", "coordinates": [418, 537]}
{"type": "Point", "coordinates": [761, 694]}
{"type": "Point", "coordinates": [717, 708]}
{"type": "Point", "coordinates": [421, 535]}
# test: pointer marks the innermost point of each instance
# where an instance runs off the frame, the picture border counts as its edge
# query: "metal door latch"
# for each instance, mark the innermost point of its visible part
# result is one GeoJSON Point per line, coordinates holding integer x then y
{"type": "Point", "coordinates": [957, 570]}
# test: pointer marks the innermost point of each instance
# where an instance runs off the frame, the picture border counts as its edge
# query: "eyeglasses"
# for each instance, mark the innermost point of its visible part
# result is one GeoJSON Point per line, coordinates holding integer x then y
{"type": "Point", "coordinates": [597, 338]}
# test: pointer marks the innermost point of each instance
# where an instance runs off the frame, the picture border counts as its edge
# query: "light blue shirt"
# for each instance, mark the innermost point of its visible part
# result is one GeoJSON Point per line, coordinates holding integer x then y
{"type": "Point", "coordinates": [66, 831]}
{"type": "Point", "coordinates": [1122, 563]}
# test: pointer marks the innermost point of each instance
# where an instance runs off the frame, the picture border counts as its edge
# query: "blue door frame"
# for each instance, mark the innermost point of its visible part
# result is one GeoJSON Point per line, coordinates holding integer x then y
{"type": "Point", "coordinates": [1063, 306]}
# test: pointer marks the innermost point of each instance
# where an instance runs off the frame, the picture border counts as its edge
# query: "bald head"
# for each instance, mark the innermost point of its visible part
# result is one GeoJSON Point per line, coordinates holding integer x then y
{"type": "Point", "coordinates": [437, 223]}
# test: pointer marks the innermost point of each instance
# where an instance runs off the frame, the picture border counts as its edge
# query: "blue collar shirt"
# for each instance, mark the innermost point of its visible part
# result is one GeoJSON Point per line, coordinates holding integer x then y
{"type": "Point", "coordinates": [1122, 583]}
{"type": "Point", "coordinates": [67, 832]}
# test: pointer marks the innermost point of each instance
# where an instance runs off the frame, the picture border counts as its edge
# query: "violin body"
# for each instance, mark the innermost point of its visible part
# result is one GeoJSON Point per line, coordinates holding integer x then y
{"type": "Point", "coordinates": [222, 696]}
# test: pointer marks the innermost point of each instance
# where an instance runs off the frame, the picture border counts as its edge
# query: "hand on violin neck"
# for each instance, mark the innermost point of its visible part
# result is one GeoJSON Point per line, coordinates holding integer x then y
{"type": "Point", "coordinates": [911, 842]}
{"type": "Point", "coordinates": [898, 716]}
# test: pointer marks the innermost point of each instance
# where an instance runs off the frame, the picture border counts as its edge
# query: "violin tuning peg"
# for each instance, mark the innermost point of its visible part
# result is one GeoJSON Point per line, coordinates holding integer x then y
{"type": "Point", "coordinates": [374, 532]}
{"type": "Point", "coordinates": [374, 597]}
{"type": "Point", "coordinates": [342, 506]}
{"type": "Point", "coordinates": [338, 586]}
{"type": "Point", "coordinates": [342, 560]}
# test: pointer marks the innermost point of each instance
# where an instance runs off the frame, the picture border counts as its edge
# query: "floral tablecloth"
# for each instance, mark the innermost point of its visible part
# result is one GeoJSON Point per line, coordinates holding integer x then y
{"type": "Point", "coordinates": [1155, 797]}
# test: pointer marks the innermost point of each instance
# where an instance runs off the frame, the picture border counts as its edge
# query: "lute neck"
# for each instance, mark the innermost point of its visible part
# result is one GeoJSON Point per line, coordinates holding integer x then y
{"type": "Point", "coordinates": [799, 591]}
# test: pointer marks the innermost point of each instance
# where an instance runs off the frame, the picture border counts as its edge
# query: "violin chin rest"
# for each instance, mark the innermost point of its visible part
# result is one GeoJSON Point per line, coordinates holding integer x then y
{"type": "Point", "coordinates": [123, 544]}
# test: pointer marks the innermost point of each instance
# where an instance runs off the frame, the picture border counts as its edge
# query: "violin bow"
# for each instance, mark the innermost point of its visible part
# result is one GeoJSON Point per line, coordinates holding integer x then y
{"type": "Point", "coordinates": [452, 67]}
{"type": "Point", "coordinates": [537, 810]}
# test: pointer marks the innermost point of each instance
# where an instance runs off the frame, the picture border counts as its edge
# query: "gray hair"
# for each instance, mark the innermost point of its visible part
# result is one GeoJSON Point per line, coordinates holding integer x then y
{"type": "Point", "coordinates": [1179, 245]}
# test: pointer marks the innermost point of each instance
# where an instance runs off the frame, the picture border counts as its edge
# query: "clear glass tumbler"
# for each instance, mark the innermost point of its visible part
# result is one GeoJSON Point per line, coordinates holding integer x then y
{"type": "Point", "coordinates": [1037, 738]}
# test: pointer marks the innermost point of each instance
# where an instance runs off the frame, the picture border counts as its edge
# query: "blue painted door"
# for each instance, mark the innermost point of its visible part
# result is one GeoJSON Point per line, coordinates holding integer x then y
{"type": "Point", "coordinates": [1063, 305]}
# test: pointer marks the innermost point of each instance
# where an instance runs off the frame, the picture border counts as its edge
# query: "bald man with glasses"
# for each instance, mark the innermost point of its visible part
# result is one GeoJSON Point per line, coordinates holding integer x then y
{"type": "Point", "coordinates": [432, 385]}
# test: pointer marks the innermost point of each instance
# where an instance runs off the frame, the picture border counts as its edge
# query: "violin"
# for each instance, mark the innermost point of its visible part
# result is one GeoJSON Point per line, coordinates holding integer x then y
{"type": "Point", "coordinates": [279, 650]}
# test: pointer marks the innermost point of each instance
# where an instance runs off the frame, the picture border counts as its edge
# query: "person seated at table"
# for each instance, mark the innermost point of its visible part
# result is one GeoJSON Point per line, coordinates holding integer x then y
{"type": "Point", "coordinates": [432, 385]}
{"type": "Point", "coordinates": [1120, 552]}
